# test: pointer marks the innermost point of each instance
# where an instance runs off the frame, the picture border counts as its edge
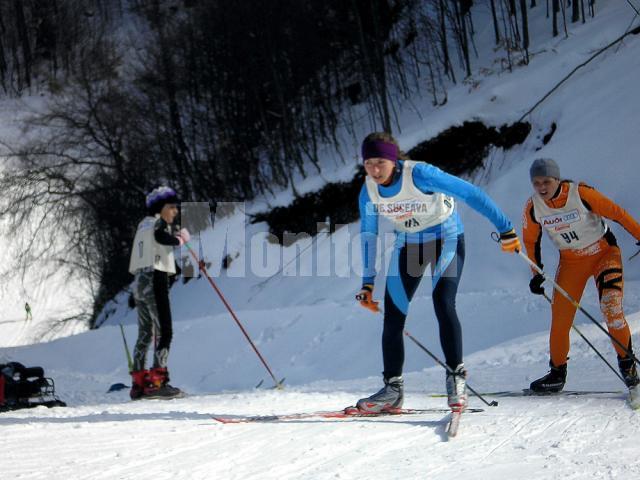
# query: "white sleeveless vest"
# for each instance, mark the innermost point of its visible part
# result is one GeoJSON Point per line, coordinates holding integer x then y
{"type": "Point", "coordinates": [411, 210]}
{"type": "Point", "coordinates": [572, 226]}
{"type": "Point", "coordinates": [146, 252]}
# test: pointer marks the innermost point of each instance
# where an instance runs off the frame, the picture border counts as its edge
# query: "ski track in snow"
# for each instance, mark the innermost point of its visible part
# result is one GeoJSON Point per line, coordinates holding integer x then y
{"type": "Point", "coordinates": [542, 438]}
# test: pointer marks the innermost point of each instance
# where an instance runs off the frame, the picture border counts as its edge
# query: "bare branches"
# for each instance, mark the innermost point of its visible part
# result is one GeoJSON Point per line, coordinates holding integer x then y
{"type": "Point", "coordinates": [224, 102]}
{"type": "Point", "coordinates": [40, 40]}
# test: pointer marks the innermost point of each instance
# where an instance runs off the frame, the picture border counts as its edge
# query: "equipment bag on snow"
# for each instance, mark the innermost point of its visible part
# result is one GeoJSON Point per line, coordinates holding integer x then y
{"type": "Point", "coordinates": [26, 387]}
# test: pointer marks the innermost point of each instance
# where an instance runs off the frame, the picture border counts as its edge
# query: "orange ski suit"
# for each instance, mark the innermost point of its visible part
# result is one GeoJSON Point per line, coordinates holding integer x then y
{"type": "Point", "coordinates": [601, 260]}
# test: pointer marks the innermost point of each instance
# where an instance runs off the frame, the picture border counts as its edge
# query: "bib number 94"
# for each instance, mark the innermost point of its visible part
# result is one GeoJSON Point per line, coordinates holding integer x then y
{"type": "Point", "coordinates": [570, 237]}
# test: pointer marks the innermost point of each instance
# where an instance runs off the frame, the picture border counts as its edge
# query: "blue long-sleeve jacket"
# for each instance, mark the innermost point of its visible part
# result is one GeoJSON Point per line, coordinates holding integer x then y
{"type": "Point", "coordinates": [427, 179]}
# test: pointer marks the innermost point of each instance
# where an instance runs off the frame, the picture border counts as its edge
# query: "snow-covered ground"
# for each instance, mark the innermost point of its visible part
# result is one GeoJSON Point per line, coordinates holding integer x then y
{"type": "Point", "coordinates": [106, 436]}
{"type": "Point", "coordinates": [311, 332]}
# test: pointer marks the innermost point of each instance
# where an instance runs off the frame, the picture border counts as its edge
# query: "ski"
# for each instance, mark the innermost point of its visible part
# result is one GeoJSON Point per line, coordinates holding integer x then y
{"type": "Point", "coordinates": [181, 394]}
{"type": "Point", "coordinates": [454, 423]}
{"type": "Point", "coordinates": [634, 397]}
{"type": "Point", "coordinates": [32, 404]}
{"type": "Point", "coordinates": [526, 392]}
{"type": "Point", "coordinates": [349, 412]}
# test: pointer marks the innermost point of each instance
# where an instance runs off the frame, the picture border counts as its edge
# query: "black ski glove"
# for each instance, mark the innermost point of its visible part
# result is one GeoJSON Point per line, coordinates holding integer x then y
{"type": "Point", "coordinates": [535, 285]}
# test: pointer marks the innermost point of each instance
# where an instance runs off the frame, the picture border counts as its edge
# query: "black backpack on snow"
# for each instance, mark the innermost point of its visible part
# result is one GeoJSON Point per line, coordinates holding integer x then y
{"type": "Point", "coordinates": [26, 387]}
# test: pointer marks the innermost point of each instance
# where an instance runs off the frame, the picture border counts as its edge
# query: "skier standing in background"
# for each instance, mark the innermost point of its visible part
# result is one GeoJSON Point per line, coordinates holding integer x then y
{"type": "Point", "coordinates": [152, 262]}
{"type": "Point", "coordinates": [27, 309]}
{"type": "Point", "coordinates": [420, 200]}
{"type": "Point", "coordinates": [572, 215]}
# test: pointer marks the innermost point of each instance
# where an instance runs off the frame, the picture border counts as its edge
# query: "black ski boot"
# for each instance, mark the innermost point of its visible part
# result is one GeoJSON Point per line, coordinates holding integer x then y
{"type": "Point", "coordinates": [552, 382]}
{"type": "Point", "coordinates": [628, 371]}
{"type": "Point", "coordinates": [630, 374]}
{"type": "Point", "coordinates": [159, 386]}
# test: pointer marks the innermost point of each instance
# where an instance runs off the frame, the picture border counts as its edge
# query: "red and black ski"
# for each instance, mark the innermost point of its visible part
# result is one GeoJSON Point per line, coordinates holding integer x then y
{"type": "Point", "coordinates": [349, 412]}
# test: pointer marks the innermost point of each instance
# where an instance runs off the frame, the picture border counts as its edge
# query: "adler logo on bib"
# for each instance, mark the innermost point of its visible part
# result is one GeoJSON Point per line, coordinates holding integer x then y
{"type": "Point", "coordinates": [561, 221]}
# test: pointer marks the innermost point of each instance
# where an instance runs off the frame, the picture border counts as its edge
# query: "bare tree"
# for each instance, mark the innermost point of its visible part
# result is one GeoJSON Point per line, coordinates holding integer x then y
{"type": "Point", "coordinates": [525, 29]}
{"type": "Point", "coordinates": [223, 102]}
{"type": "Point", "coordinates": [575, 11]}
{"type": "Point", "coordinates": [496, 27]}
{"type": "Point", "coordinates": [73, 189]}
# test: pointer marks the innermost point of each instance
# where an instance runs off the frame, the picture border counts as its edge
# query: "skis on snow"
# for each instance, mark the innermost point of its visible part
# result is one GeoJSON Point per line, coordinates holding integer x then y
{"type": "Point", "coordinates": [349, 412]}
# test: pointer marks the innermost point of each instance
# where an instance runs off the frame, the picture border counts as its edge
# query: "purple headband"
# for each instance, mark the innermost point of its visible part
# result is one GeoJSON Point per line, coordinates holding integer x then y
{"type": "Point", "coordinates": [380, 149]}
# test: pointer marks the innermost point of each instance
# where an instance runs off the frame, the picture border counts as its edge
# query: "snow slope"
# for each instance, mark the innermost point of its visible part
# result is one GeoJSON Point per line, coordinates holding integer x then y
{"type": "Point", "coordinates": [310, 331]}
{"type": "Point", "coordinates": [106, 436]}
{"type": "Point", "coordinates": [51, 296]}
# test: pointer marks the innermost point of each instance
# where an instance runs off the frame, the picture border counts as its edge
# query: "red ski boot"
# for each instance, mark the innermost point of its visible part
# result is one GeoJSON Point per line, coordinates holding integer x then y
{"type": "Point", "coordinates": [139, 380]}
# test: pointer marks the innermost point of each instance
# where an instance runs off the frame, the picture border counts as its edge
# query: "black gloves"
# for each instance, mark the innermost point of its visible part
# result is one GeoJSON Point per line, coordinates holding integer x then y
{"type": "Point", "coordinates": [535, 285]}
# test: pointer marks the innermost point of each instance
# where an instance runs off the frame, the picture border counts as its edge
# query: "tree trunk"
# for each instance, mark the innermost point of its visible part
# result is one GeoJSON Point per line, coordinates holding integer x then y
{"type": "Point", "coordinates": [496, 27]}
{"type": "Point", "coordinates": [448, 68]}
{"type": "Point", "coordinates": [167, 77]}
{"type": "Point", "coordinates": [381, 69]}
{"type": "Point", "coordinates": [525, 29]}
{"type": "Point", "coordinates": [513, 12]}
{"type": "Point", "coordinates": [24, 40]}
{"type": "Point", "coordinates": [575, 11]}
{"type": "Point", "coordinates": [464, 43]}
{"type": "Point", "coordinates": [3, 60]}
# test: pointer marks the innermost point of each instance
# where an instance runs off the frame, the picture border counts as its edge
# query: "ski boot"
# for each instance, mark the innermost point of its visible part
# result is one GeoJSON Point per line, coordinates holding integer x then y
{"type": "Point", "coordinates": [387, 399]}
{"type": "Point", "coordinates": [159, 386]}
{"type": "Point", "coordinates": [630, 375]}
{"type": "Point", "coordinates": [139, 380]}
{"type": "Point", "coordinates": [552, 382]}
{"type": "Point", "coordinates": [457, 388]}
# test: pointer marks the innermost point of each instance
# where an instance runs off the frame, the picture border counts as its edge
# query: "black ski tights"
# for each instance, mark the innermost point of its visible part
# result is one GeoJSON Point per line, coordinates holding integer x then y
{"type": "Point", "coordinates": [412, 260]}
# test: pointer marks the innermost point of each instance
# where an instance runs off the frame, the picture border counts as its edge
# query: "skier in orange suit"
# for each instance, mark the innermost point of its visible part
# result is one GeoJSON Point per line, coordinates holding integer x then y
{"type": "Point", "coordinates": [572, 214]}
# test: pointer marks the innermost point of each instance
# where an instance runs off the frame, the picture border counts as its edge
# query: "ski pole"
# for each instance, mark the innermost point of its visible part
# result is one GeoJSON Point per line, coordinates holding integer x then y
{"type": "Point", "coordinates": [592, 346]}
{"type": "Point", "coordinates": [126, 349]}
{"type": "Point", "coordinates": [448, 369]}
{"type": "Point", "coordinates": [203, 268]}
{"type": "Point", "coordinates": [578, 306]}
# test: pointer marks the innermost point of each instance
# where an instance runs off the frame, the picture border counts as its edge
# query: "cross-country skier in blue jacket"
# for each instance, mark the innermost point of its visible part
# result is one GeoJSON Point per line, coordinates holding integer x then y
{"type": "Point", "coordinates": [420, 200]}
